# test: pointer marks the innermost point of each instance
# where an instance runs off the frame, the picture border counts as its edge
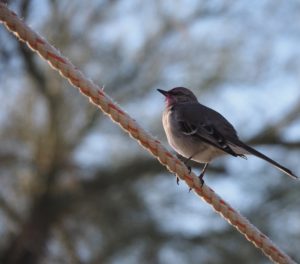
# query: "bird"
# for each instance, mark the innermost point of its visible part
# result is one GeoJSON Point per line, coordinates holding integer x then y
{"type": "Point", "coordinates": [199, 133]}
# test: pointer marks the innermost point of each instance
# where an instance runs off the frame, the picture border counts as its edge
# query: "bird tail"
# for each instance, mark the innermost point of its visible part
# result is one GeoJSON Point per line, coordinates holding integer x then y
{"type": "Point", "coordinates": [242, 146]}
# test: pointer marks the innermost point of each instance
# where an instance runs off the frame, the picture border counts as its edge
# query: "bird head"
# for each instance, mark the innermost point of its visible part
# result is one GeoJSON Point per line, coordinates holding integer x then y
{"type": "Point", "coordinates": [178, 95]}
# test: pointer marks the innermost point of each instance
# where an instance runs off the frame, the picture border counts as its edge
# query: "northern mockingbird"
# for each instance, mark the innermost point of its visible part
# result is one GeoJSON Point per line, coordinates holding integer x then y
{"type": "Point", "coordinates": [199, 133]}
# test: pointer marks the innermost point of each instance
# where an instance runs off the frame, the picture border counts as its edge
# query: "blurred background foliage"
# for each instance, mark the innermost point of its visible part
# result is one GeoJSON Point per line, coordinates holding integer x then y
{"type": "Point", "coordinates": [74, 188]}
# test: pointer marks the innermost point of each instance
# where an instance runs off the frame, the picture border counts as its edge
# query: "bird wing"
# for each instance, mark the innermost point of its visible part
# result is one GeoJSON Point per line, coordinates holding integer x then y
{"type": "Point", "coordinates": [201, 122]}
{"type": "Point", "coordinates": [204, 123]}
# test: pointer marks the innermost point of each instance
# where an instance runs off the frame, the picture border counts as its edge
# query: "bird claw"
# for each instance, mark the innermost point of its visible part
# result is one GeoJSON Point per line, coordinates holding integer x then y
{"type": "Point", "coordinates": [177, 178]}
{"type": "Point", "coordinates": [201, 179]}
{"type": "Point", "coordinates": [189, 169]}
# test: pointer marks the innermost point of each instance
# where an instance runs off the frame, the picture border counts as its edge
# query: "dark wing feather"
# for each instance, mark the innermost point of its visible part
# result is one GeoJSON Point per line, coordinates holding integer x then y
{"type": "Point", "coordinates": [201, 122]}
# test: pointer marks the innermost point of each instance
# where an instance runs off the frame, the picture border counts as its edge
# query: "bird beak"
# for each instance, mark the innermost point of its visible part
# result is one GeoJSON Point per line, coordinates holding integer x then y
{"type": "Point", "coordinates": [165, 93]}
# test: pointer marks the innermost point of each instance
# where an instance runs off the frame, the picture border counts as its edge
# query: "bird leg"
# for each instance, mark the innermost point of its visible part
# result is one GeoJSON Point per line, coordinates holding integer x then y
{"type": "Point", "coordinates": [188, 167]}
{"type": "Point", "coordinates": [202, 174]}
{"type": "Point", "coordinates": [185, 163]}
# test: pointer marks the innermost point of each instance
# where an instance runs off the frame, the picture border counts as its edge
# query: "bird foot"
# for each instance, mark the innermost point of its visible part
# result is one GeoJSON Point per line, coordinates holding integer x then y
{"type": "Point", "coordinates": [201, 179]}
{"type": "Point", "coordinates": [177, 178]}
{"type": "Point", "coordinates": [189, 168]}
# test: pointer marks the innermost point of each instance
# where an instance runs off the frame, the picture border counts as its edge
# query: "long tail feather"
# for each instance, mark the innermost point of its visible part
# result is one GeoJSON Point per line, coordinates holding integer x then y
{"type": "Point", "coordinates": [264, 157]}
